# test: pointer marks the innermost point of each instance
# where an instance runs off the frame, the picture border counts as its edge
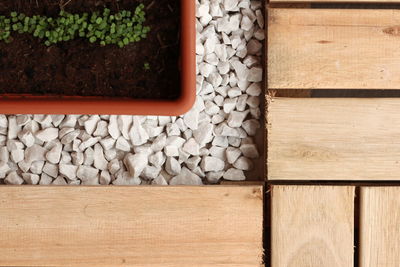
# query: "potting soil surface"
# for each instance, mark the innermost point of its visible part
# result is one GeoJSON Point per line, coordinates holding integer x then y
{"type": "Point", "coordinates": [77, 67]}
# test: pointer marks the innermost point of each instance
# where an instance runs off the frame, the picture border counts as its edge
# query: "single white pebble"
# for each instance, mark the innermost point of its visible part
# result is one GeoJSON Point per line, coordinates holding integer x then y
{"type": "Point", "coordinates": [68, 171]}
{"type": "Point", "coordinates": [124, 125]}
{"type": "Point", "coordinates": [108, 143]}
{"type": "Point", "coordinates": [255, 74]}
{"type": "Point", "coordinates": [14, 179]}
{"type": "Point", "coordinates": [255, 113]}
{"type": "Point", "coordinates": [88, 175]}
{"type": "Point", "coordinates": [171, 151]}
{"type": "Point", "coordinates": [74, 182]}
{"type": "Point", "coordinates": [113, 129]}
{"type": "Point", "coordinates": [17, 155]}
{"type": "Point", "coordinates": [229, 104]}
{"type": "Point", "coordinates": [249, 150]}
{"type": "Point", "coordinates": [203, 134]}
{"type": "Point", "coordinates": [89, 156]}
{"type": "Point", "coordinates": [101, 129]}
{"type": "Point", "coordinates": [212, 164]}
{"type": "Point", "coordinates": [157, 159]}
{"type": "Point", "coordinates": [214, 177]}
{"type": "Point", "coordinates": [30, 178]}
{"type": "Point", "coordinates": [88, 143]}
{"type": "Point", "coordinates": [251, 126]}
{"type": "Point", "coordinates": [45, 179]}
{"type": "Point", "coordinates": [4, 169]}
{"type": "Point", "coordinates": [69, 122]}
{"type": "Point", "coordinates": [159, 142]}
{"type": "Point", "coordinates": [193, 162]}
{"type": "Point", "coordinates": [13, 128]}
{"type": "Point", "coordinates": [126, 178]}
{"type": "Point", "coordinates": [260, 18]}
{"type": "Point", "coordinates": [172, 129]}
{"type": "Point", "coordinates": [27, 138]}
{"type": "Point", "coordinates": [114, 166]}
{"type": "Point", "coordinates": [47, 134]}
{"type": "Point", "coordinates": [232, 154]}
{"type": "Point", "coordinates": [45, 121]}
{"type": "Point", "coordinates": [69, 137]}
{"type": "Point", "coordinates": [221, 141]}
{"type": "Point", "coordinates": [236, 118]}
{"type": "Point", "coordinates": [59, 181]}
{"type": "Point", "coordinates": [254, 89]}
{"type": "Point", "coordinates": [159, 180]}
{"type": "Point", "coordinates": [77, 158]}
{"type": "Point", "coordinates": [186, 177]}
{"type": "Point", "coordinates": [105, 178]}
{"type": "Point", "coordinates": [191, 147]}
{"type": "Point", "coordinates": [191, 119]}
{"type": "Point", "coordinates": [136, 163]}
{"type": "Point", "coordinates": [91, 124]}
{"type": "Point", "coordinates": [65, 157]}
{"type": "Point", "coordinates": [4, 154]}
{"type": "Point", "coordinates": [110, 154]}
{"type": "Point", "coordinates": [242, 102]}
{"type": "Point", "coordinates": [175, 141]}
{"type": "Point", "coordinates": [35, 153]}
{"type": "Point", "coordinates": [22, 120]}
{"type": "Point", "coordinates": [172, 166]}
{"type": "Point", "coordinates": [204, 152]}
{"type": "Point", "coordinates": [99, 161]}
{"type": "Point", "coordinates": [243, 163]}
{"type": "Point", "coordinates": [63, 131]}
{"type": "Point", "coordinates": [150, 172]}
{"type": "Point", "coordinates": [233, 174]}
{"type": "Point", "coordinates": [50, 169]}
{"type": "Point", "coordinates": [137, 133]}
{"type": "Point", "coordinates": [217, 118]}
{"type": "Point", "coordinates": [122, 144]}
{"type": "Point", "coordinates": [57, 119]}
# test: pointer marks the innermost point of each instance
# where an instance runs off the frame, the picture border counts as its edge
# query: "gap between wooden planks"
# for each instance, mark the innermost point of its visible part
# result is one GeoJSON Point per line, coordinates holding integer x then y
{"type": "Point", "coordinates": [333, 49]}
{"type": "Point", "coordinates": [333, 139]}
{"type": "Point", "coordinates": [131, 226]}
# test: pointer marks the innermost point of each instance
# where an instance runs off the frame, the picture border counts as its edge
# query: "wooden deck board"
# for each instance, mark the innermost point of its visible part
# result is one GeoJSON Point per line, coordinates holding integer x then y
{"type": "Point", "coordinates": [312, 226]}
{"type": "Point", "coordinates": [126, 226]}
{"type": "Point", "coordinates": [333, 49]}
{"type": "Point", "coordinates": [333, 139]}
{"type": "Point", "coordinates": [379, 227]}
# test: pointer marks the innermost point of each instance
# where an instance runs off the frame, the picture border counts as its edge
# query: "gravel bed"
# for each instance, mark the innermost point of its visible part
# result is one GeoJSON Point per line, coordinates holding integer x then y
{"type": "Point", "coordinates": [213, 141]}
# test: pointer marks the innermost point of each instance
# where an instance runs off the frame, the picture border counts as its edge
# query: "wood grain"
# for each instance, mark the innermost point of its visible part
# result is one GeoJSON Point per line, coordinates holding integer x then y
{"type": "Point", "coordinates": [312, 226]}
{"type": "Point", "coordinates": [333, 139]}
{"type": "Point", "coordinates": [131, 226]}
{"type": "Point", "coordinates": [379, 227]}
{"type": "Point", "coordinates": [333, 49]}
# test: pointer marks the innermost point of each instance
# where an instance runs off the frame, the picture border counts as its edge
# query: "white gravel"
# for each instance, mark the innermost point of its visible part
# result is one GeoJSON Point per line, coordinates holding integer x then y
{"type": "Point", "coordinates": [213, 141]}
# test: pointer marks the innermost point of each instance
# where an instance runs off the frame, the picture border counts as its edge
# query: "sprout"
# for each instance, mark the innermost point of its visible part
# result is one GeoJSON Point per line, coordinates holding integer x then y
{"type": "Point", "coordinates": [120, 29]}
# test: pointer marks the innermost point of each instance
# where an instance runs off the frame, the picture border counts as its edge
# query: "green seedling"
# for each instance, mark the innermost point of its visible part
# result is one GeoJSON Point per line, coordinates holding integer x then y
{"type": "Point", "coordinates": [104, 28]}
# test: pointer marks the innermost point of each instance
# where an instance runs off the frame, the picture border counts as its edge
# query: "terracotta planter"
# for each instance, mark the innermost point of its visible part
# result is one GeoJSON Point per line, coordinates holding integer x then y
{"type": "Point", "coordinates": [27, 104]}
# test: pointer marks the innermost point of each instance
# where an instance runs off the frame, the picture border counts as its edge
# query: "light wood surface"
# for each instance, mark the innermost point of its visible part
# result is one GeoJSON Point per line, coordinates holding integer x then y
{"type": "Point", "coordinates": [380, 227]}
{"type": "Point", "coordinates": [333, 139]}
{"type": "Point", "coordinates": [131, 226]}
{"type": "Point", "coordinates": [333, 49]}
{"type": "Point", "coordinates": [312, 226]}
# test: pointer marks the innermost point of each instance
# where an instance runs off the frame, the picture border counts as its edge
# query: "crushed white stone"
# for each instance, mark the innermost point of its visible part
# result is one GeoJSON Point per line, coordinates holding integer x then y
{"type": "Point", "coordinates": [213, 141]}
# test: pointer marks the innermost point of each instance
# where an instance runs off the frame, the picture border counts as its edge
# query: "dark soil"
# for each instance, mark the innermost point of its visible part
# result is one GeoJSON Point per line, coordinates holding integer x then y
{"type": "Point", "coordinates": [77, 67]}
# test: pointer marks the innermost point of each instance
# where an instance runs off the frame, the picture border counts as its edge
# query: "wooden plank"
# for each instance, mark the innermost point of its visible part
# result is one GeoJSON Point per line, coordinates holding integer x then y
{"type": "Point", "coordinates": [131, 226]}
{"type": "Point", "coordinates": [333, 49]}
{"type": "Point", "coordinates": [333, 139]}
{"type": "Point", "coordinates": [312, 226]}
{"type": "Point", "coordinates": [379, 227]}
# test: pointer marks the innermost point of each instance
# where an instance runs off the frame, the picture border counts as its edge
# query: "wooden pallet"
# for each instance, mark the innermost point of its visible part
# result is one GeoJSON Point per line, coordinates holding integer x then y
{"type": "Point", "coordinates": [344, 135]}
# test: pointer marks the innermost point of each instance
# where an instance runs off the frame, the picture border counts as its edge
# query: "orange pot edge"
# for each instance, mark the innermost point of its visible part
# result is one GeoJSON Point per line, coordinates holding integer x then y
{"type": "Point", "coordinates": [27, 104]}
